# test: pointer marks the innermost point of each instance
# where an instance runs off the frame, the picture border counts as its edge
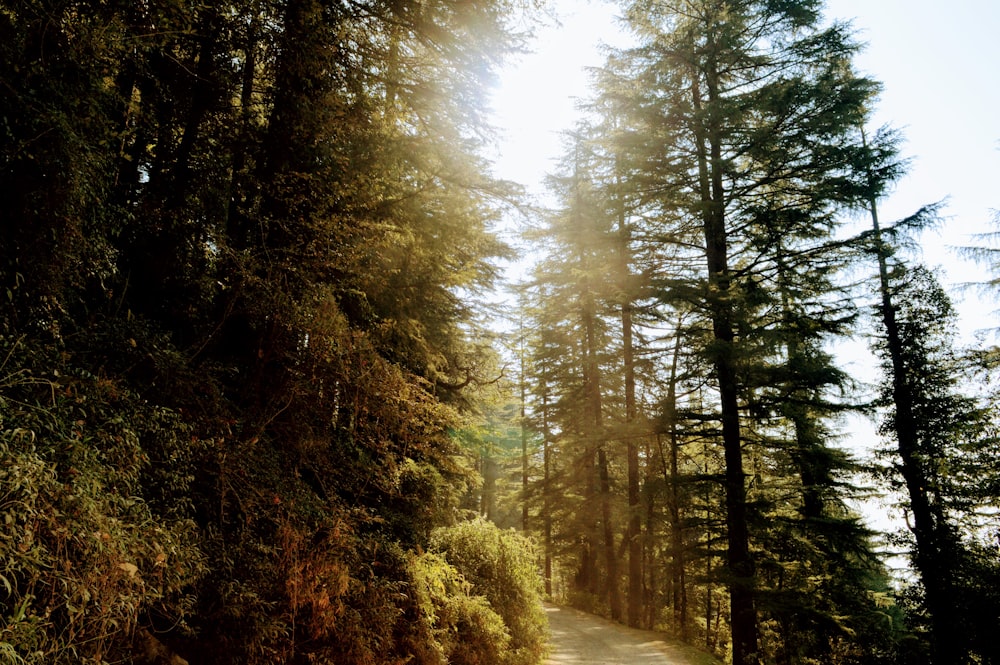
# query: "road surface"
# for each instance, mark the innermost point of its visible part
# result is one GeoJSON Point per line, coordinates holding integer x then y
{"type": "Point", "coordinates": [583, 639]}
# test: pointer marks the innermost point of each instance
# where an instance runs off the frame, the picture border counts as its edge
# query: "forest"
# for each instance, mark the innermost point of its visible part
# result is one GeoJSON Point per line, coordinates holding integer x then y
{"type": "Point", "coordinates": [258, 403]}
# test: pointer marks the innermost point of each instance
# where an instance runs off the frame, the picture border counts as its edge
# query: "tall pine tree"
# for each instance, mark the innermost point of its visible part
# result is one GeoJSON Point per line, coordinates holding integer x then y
{"type": "Point", "coordinates": [748, 109]}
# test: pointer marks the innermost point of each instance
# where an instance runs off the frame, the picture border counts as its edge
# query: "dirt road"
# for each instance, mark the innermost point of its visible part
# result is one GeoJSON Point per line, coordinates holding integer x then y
{"type": "Point", "coordinates": [583, 639]}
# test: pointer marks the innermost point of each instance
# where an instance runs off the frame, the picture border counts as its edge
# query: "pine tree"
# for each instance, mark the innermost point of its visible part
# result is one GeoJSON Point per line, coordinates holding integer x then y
{"type": "Point", "coordinates": [578, 302]}
{"type": "Point", "coordinates": [932, 425]}
{"type": "Point", "coordinates": [749, 110]}
{"type": "Point", "coordinates": [272, 221]}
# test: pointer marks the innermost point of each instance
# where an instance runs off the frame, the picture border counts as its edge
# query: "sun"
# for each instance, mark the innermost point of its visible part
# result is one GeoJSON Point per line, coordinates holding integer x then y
{"type": "Point", "coordinates": [536, 98]}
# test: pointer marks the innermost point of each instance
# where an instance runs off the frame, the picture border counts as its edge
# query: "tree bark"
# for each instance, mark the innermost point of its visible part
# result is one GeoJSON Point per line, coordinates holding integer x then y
{"type": "Point", "coordinates": [932, 560]}
{"type": "Point", "coordinates": [712, 194]}
{"type": "Point", "coordinates": [634, 527]}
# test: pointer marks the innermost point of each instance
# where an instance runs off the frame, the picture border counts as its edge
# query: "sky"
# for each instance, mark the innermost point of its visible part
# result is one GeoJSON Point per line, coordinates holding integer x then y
{"type": "Point", "coordinates": [940, 68]}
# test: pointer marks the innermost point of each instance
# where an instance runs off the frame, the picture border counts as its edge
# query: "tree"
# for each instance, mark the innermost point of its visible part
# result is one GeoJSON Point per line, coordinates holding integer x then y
{"type": "Point", "coordinates": [578, 306]}
{"type": "Point", "coordinates": [608, 169]}
{"type": "Point", "coordinates": [749, 108]}
{"type": "Point", "coordinates": [933, 426]}
{"type": "Point", "coordinates": [267, 224]}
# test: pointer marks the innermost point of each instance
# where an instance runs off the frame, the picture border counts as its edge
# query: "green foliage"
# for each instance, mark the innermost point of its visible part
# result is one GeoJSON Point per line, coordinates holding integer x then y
{"type": "Point", "coordinates": [85, 558]}
{"type": "Point", "coordinates": [249, 237]}
{"type": "Point", "coordinates": [721, 157]}
{"type": "Point", "coordinates": [938, 434]}
{"type": "Point", "coordinates": [466, 629]}
{"type": "Point", "coordinates": [500, 566]}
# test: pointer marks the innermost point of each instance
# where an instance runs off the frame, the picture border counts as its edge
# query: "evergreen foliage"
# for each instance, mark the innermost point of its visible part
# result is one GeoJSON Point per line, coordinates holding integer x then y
{"type": "Point", "coordinates": [938, 434]}
{"type": "Point", "coordinates": [240, 255]}
{"type": "Point", "coordinates": [248, 403]}
{"type": "Point", "coordinates": [697, 272]}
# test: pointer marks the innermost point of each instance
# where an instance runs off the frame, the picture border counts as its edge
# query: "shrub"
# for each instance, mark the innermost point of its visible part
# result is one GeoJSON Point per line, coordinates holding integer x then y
{"type": "Point", "coordinates": [500, 566]}
{"type": "Point", "coordinates": [84, 560]}
{"type": "Point", "coordinates": [464, 629]}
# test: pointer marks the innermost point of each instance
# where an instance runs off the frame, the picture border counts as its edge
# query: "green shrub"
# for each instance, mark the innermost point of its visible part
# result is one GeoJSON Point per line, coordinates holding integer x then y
{"type": "Point", "coordinates": [84, 560]}
{"type": "Point", "coordinates": [464, 629]}
{"type": "Point", "coordinates": [500, 566]}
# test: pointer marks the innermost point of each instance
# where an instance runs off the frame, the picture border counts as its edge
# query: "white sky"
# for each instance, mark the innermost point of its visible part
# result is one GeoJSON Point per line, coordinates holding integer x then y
{"type": "Point", "coordinates": [940, 67]}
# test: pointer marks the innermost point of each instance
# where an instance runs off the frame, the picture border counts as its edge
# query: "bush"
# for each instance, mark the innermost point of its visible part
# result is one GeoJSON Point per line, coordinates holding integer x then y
{"type": "Point", "coordinates": [84, 559]}
{"type": "Point", "coordinates": [500, 566]}
{"type": "Point", "coordinates": [463, 628]}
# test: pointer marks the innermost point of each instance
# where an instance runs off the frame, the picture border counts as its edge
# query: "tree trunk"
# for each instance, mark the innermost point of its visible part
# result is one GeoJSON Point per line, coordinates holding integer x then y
{"type": "Point", "coordinates": [650, 604]}
{"type": "Point", "coordinates": [740, 563]}
{"type": "Point", "coordinates": [235, 226]}
{"type": "Point", "coordinates": [677, 562]}
{"type": "Point", "coordinates": [634, 529]}
{"type": "Point", "coordinates": [610, 556]}
{"type": "Point", "coordinates": [932, 560]}
{"type": "Point", "coordinates": [547, 496]}
{"type": "Point", "coordinates": [524, 439]}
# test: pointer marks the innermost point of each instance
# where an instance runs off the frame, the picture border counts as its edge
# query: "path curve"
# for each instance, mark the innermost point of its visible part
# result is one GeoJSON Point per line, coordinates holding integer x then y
{"type": "Point", "coordinates": [584, 639]}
